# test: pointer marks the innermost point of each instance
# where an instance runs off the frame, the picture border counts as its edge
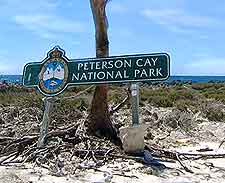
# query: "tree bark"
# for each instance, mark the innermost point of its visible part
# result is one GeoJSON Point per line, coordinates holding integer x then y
{"type": "Point", "coordinates": [99, 117]}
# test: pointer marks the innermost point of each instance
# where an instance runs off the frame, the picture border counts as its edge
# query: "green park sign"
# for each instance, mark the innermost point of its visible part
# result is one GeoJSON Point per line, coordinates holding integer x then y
{"type": "Point", "coordinates": [56, 71]}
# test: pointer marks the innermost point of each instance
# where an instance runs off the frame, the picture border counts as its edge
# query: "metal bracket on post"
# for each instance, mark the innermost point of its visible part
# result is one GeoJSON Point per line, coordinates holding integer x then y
{"type": "Point", "coordinates": [45, 121]}
{"type": "Point", "coordinates": [135, 103]}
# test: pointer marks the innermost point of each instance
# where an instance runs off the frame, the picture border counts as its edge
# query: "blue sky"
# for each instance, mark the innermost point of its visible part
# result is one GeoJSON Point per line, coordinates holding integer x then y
{"type": "Point", "coordinates": [192, 32]}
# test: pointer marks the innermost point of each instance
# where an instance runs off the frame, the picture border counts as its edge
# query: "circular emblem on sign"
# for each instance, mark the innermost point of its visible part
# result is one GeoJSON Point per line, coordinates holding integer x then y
{"type": "Point", "coordinates": [54, 73]}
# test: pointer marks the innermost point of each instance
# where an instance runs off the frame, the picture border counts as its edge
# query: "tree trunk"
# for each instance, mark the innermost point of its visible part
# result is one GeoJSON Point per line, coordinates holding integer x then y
{"type": "Point", "coordinates": [99, 117]}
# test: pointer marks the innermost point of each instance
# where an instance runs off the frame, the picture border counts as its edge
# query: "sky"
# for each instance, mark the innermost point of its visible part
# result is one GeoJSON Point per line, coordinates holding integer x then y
{"type": "Point", "coordinates": [191, 31]}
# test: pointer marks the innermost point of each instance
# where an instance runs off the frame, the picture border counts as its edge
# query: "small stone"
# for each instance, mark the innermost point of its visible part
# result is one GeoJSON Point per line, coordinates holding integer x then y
{"type": "Point", "coordinates": [133, 137]}
{"type": "Point", "coordinates": [131, 163]}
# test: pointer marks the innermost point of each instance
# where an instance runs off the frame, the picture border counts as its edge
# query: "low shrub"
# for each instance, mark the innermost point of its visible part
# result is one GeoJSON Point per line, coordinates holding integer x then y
{"type": "Point", "coordinates": [201, 86]}
{"type": "Point", "coordinates": [215, 115]}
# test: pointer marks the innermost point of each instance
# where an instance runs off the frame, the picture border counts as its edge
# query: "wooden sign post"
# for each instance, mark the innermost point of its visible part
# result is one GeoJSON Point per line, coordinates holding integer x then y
{"type": "Point", "coordinates": [48, 102]}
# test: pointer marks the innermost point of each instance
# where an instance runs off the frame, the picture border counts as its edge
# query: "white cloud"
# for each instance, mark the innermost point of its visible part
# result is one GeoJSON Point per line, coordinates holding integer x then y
{"type": "Point", "coordinates": [30, 5]}
{"type": "Point", "coordinates": [178, 21]}
{"type": "Point", "coordinates": [48, 26]}
{"type": "Point", "coordinates": [206, 66]}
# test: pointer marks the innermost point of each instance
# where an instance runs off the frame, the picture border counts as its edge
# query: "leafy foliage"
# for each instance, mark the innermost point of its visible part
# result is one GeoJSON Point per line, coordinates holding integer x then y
{"type": "Point", "coordinates": [207, 98]}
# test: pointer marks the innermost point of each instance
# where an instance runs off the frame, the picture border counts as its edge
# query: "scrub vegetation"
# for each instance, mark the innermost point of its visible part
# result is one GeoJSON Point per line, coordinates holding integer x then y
{"type": "Point", "coordinates": [208, 98]}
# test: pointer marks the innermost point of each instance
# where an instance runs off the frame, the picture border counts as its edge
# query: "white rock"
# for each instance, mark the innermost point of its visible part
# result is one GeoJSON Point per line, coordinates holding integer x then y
{"type": "Point", "coordinates": [133, 137]}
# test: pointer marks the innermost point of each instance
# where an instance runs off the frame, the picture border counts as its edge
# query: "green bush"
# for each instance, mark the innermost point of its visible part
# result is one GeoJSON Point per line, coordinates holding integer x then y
{"type": "Point", "coordinates": [183, 97]}
{"type": "Point", "coordinates": [215, 115]}
{"type": "Point", "coordinates": [184, 105]}
{"type": "Point", "coordinates": [216, 94]}
{"type": "Point", "coordinates": [24, 99]}
{"type": "Point", "coordinates": [202, 86]}
{"type": "Point", "coordinates": [161, 101]}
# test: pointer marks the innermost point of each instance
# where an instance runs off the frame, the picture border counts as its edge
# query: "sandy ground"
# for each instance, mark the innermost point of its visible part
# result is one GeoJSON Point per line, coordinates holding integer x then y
{"type": "Point", "coordinates": [128, 171]}
{"type": "Point", "coordinates": [182, 132]}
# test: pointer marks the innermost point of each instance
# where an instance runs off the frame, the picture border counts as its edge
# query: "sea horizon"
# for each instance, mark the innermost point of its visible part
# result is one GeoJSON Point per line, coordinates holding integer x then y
{"type": "Point", "coordinates": [183, 78]}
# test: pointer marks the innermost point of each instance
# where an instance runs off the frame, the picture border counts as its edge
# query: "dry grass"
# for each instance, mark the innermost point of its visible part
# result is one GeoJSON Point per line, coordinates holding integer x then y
{"type": "Point", "coordinates": [208, 98]}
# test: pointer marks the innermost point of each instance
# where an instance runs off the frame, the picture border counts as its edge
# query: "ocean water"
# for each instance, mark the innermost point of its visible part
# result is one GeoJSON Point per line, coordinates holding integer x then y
{"type": "Point", "coordinates": [11, 78]}
{"type": "Point", "coordinates": [197, 79]}
{"type": "Point", "coordinates": [194, 79]}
